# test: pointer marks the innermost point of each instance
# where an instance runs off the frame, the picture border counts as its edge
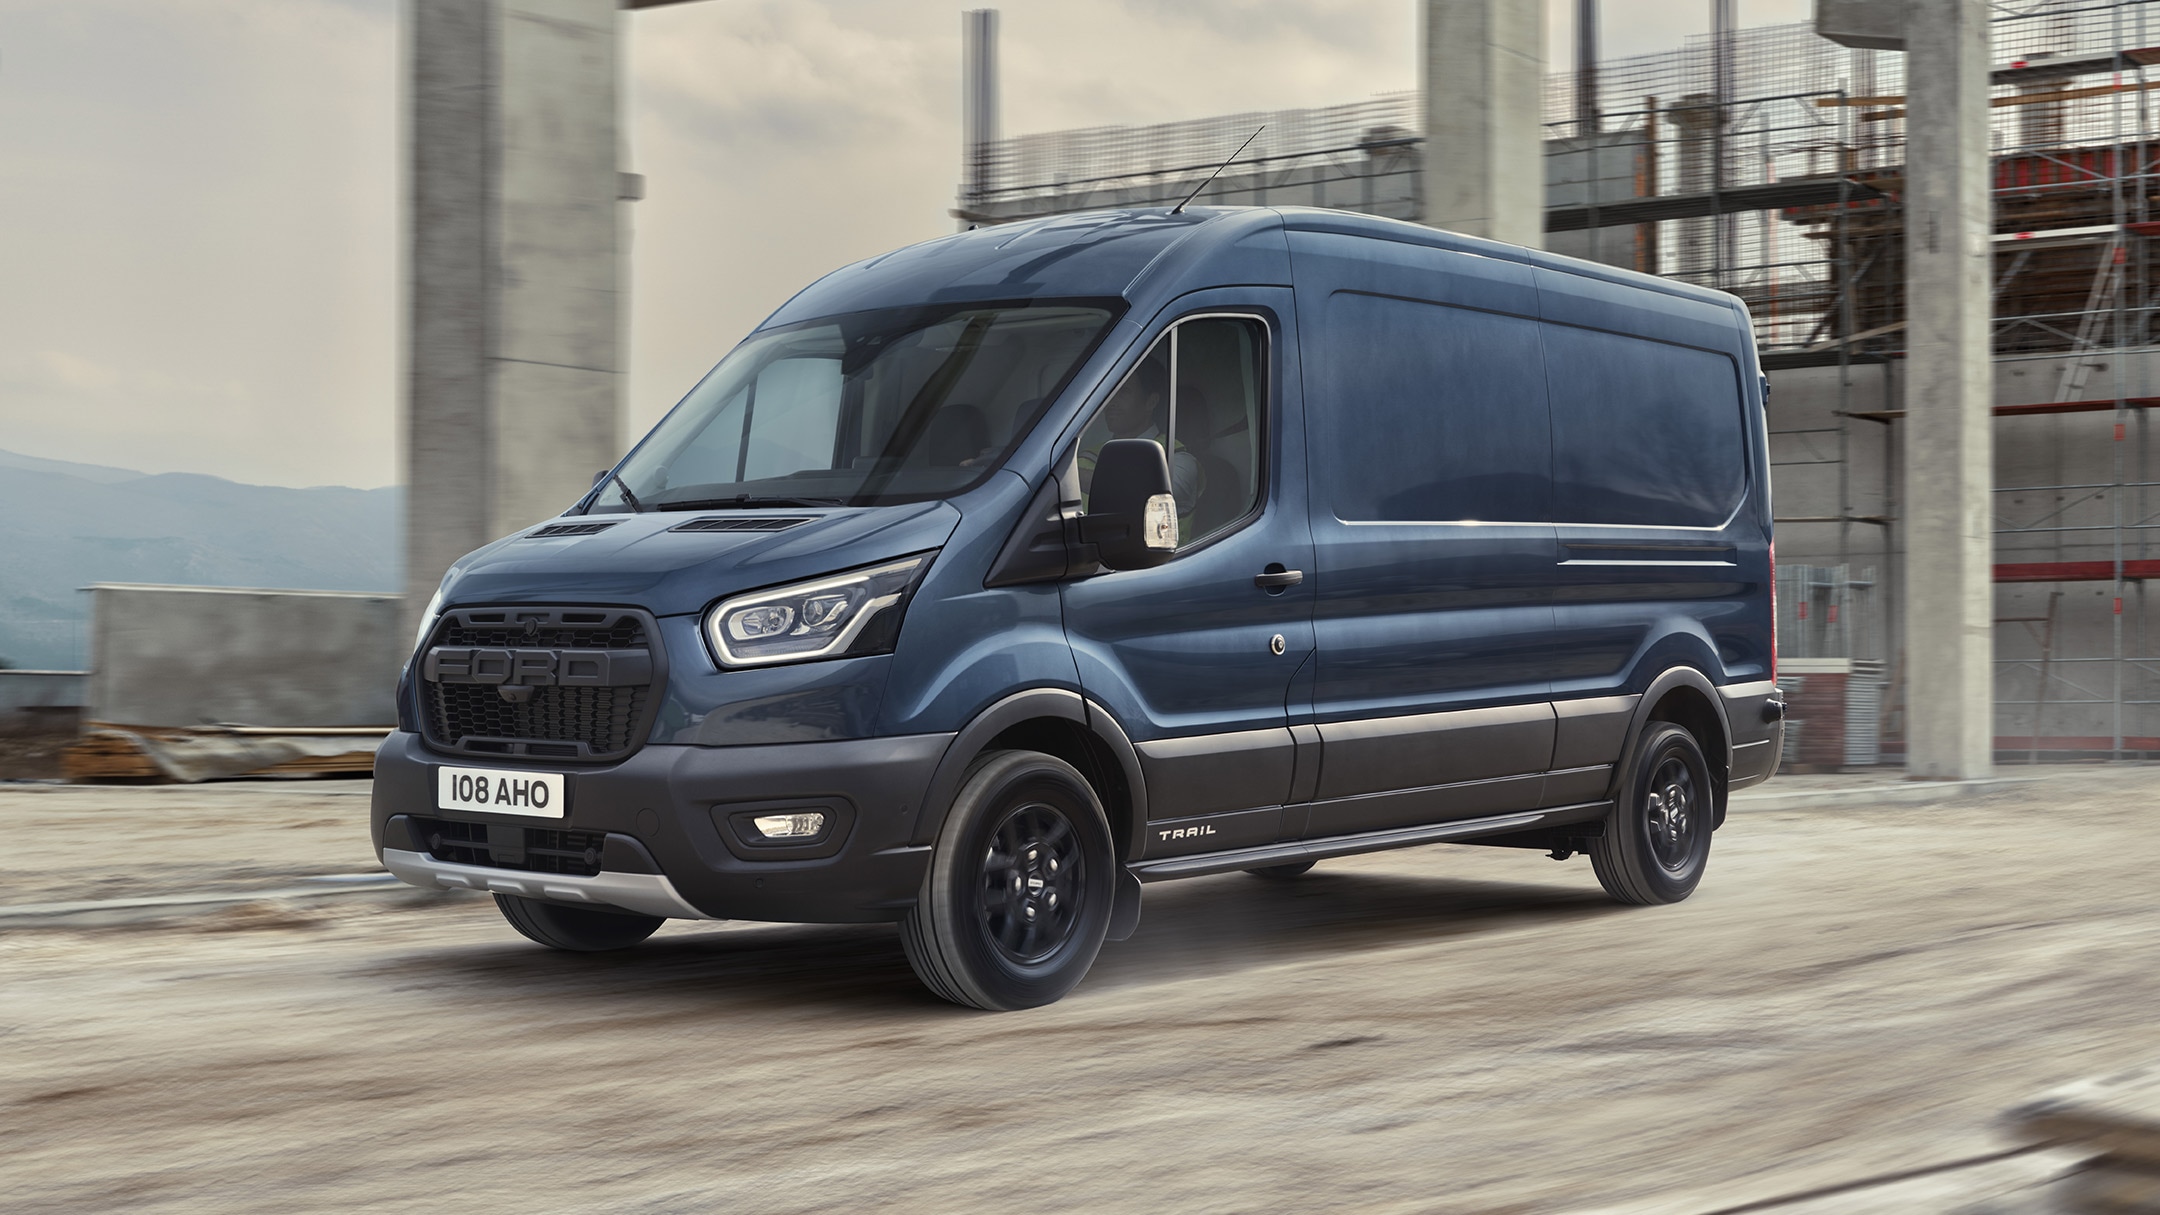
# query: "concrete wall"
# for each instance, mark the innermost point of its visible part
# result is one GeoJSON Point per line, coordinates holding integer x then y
{"type": "Point", "coordinates": [190, 656]}
{"type": "Point", "coordinates": [32, 700]}
{"type": "Point", "coordinates": [2032, 455]}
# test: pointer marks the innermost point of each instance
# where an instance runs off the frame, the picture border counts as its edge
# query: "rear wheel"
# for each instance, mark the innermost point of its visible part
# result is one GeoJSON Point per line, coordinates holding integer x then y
{"type": "Point", "coordinates": [1657, 842]}
{"type": "Point", "coordinates": [577, 929]}
{"type": "Point", "coordinates": [1283, 872]}
{"type": "Point", "coordinates": [1020, 887]}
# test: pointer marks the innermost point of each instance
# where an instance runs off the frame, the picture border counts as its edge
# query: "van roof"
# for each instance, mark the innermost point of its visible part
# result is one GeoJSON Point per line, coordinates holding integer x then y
{"type": "Point", "coordinates": [1095, 255]}
{"type": "Point", "coordinates": [1353, 223]}
{"type": "Point", "coordinates": [1104, 254]}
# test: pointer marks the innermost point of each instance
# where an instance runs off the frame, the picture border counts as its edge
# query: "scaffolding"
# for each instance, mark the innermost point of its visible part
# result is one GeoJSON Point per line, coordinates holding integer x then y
{"type": "Point", "coordinates": [1769, 163]}
{"type": "Point", "coordinates": [1358, 157]}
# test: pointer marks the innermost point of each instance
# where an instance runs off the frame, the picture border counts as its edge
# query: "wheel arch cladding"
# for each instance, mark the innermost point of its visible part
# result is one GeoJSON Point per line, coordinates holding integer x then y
{"type": "Point", "coordinates": [1685, 697]}
{"type": "Point", "coordinates": [1089, 755]}
{"type": "Point", "coordinates": [1052, 721]}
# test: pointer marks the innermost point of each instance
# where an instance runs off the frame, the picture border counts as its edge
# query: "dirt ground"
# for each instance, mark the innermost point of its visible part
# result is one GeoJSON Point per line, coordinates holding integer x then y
{"type": "Point", "coordinates": [1858, 989]}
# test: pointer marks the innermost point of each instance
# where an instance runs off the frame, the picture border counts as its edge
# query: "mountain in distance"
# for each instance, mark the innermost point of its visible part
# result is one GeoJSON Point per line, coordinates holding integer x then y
{"type": "Point", "coordinates": [64, 526]}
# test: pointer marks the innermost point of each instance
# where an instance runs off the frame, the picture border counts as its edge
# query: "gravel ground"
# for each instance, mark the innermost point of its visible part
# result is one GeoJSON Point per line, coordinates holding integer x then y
{"type": "Point", "coordinates": [1857, 990]}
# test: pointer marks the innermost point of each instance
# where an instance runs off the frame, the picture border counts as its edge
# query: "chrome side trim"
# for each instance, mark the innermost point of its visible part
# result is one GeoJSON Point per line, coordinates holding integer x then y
{"type": "Point", "coordinates": [1721, 565]}
{"type": "Point", "coordinates": [1741, 691]}
{"type": "Point", "coordinates": [646, 893]}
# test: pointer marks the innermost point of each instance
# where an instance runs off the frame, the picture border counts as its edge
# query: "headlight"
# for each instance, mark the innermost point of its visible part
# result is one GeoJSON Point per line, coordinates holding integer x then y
{"type": "Point", "coordinates": [856, 613]}
{"type": "Point", "coordinates": [427, 620]}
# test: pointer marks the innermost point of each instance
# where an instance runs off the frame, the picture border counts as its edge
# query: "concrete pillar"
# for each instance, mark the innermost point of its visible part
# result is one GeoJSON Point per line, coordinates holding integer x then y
{"type": "Point", "coordinates": [514, 353]}
{"type": "Point", "coordinates": [978, 109]}
{"type": "Point", "coordinates": [1949, 436]}
{"type": "Point", "coordinates": [1484, 77]}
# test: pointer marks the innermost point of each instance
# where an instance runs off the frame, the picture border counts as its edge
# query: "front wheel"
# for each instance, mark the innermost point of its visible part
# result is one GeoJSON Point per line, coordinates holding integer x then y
{"type": "Point", "coordinates": [1657, 841]}
{"type": "Point", "coordinates": [577, 929]}
{"type": "Point", "coordinates": [1020, 887]}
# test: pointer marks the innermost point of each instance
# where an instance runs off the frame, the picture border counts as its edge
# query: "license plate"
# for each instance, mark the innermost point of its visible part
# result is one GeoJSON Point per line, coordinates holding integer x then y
{"type": "Point", "coordinates": [535, 794]}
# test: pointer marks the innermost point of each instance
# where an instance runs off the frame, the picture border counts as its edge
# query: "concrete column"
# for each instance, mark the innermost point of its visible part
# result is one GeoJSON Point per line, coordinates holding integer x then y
{"type": "Point", "coordinates": [1484, 76]}
{"type": "Point", "coordinates": [1949, 435]}
{"type": "Point", "coordinates": [514, 358]}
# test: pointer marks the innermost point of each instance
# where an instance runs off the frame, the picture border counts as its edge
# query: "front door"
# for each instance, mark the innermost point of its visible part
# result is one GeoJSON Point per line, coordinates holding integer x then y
{"type": "Point", "coordinates": [1194, 658]}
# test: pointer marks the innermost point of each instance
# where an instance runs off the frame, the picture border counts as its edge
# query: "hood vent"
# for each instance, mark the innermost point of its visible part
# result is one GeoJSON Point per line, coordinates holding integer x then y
{"type": "Point", "coordinates": [739, 523]}
{"type": "Point", "coordinates": [553, 530]}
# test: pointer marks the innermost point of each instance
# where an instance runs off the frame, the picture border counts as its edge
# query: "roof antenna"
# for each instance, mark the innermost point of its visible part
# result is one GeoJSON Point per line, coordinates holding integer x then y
{"type": "Point", "coordinates": [1218, 169]}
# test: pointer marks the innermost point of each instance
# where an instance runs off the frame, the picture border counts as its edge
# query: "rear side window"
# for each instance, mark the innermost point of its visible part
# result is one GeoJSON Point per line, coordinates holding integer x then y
{"type": "Point", "coordinates": [1429, 413]}
{"type": "Point", "coordinates": [1646, 433]}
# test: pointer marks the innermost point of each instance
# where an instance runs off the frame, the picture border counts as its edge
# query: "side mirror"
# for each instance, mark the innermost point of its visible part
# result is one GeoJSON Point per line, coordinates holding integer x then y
{"type": "Point", "coordinates": [1132, 517]}
{"type": "Point", "coordinates": [600, 476]}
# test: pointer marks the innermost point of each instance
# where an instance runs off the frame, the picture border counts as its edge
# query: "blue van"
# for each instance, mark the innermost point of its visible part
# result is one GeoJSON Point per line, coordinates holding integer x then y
{"type": "Point", "coordinates": [995, 577]}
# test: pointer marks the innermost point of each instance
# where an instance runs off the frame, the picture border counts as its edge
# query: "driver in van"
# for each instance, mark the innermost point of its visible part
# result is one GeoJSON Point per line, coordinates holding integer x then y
{"type": "Point", "coordinates": [1140, 415]}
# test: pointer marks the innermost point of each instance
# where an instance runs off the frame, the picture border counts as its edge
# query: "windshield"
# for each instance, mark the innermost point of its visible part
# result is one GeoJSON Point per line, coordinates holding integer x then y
{"type": "Point", "coordinates": [869, 409]}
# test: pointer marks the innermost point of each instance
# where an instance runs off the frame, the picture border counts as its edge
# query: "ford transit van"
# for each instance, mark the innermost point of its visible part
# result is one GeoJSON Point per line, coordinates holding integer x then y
{"type": "Point", "coordinates": [991, 579]}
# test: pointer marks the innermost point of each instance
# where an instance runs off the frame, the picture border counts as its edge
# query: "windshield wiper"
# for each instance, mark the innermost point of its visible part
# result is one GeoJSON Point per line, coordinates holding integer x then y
{"type": "Point", "coordinates": [636, 508]}
{"type": "Point", "coordinates": [745, 502]}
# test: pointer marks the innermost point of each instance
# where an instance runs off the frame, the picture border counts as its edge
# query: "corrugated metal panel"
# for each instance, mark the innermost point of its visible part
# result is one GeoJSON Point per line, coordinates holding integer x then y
{"type": "Point", "coordinates": [1863, 717]}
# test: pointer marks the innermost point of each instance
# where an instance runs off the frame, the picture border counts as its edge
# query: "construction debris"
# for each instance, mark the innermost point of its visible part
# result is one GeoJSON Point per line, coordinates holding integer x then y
{"type": "Point", "coordinates": [2116, 1116]}
{"type": "Point", "coordinates": [109, 752]}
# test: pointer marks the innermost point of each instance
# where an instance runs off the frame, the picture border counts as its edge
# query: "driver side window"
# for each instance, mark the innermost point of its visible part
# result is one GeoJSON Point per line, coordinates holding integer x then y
{"type": "Point", "coordinates": [1200, 393]}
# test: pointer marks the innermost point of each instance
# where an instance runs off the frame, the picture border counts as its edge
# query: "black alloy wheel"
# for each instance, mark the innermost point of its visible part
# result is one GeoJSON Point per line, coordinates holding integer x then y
{"type": "Point", "coordinates": [1018, 896]}
{"type": "Point", "coordinates": [1671, 810]}
{"type": "Point", "coordinates": [1657, 840]}
{"type": "Point", "coordinates": [1033, 881]}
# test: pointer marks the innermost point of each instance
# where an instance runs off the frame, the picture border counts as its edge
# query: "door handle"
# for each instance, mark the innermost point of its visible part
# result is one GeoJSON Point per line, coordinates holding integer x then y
{"type": "Point", "coordinates": [1277, 577]}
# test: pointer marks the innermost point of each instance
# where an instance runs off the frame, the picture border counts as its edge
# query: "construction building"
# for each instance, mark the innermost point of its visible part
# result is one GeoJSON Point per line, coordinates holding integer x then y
{"type": "Point", "coordinates": [1770, 162]}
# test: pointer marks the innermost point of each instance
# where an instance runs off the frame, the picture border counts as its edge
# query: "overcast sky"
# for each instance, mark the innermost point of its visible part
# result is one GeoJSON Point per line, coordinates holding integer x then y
{"type": "Point", "coordinates": [199, 198]}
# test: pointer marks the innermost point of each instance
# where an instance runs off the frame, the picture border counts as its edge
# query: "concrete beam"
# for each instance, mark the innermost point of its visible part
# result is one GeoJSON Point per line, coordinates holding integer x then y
{"type": "Point", "coordinates": [1949, 437]}
{"type": "Point", "coordinates": [514, 385]}
{"type": "Point", "coordinates": [1483, 75]}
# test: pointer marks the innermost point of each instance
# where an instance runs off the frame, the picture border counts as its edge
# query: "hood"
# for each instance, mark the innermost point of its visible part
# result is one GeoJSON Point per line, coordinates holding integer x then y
{"type": "Point", "coordinates": [668, 563]}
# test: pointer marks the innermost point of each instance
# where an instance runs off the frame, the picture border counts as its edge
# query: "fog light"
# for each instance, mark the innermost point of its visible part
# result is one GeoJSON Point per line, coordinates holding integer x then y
{"type": "Point", "coordinates": [789, 826]}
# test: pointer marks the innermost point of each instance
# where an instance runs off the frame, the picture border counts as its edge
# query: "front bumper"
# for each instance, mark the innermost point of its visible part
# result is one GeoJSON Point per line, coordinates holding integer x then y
{"type": "Point", "coordinates": [677, 805]}
{"type": "Point", "coordinates": [648, 893]}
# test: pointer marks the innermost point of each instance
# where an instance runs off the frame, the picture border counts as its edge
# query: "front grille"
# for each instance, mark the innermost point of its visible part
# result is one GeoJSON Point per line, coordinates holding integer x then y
{"type": "Point", "coordinates": [501, 846]}
{"type": "Point", "coordinates": [539, 683]}
{"type": "Point", "coordinates": [475, 717]}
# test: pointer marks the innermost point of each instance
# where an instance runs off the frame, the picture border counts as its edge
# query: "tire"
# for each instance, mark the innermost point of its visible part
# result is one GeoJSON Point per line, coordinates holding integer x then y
{"type": "Point", "coordinates": [1657, 842]}
{"type": "Point", "coordinates": [1021, 883]}
{"type": "Point", "coordinates": [576, 929]}
{"type": "Point", "coordinates": [1283, 872]}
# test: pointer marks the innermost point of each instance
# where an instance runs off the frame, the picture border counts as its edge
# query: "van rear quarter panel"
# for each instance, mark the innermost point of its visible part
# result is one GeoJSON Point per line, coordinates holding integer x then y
{"type": "Point", "coordinates": [1640, 597]}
